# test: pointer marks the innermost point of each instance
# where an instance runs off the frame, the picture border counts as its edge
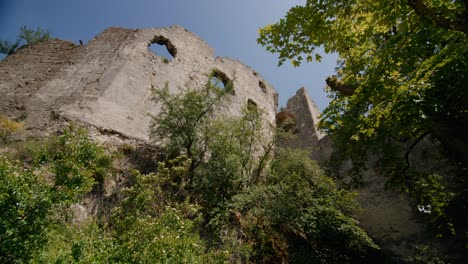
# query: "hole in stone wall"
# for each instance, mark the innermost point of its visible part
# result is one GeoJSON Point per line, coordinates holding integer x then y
{"type": "Point", "coordinates": [162, 47]}
{"type": "Point", "coordinates": [251, 105]}
{"type": "Point", "coordinates": [220, 80]}
{"type": "Point", "coordinates": [262, 86]}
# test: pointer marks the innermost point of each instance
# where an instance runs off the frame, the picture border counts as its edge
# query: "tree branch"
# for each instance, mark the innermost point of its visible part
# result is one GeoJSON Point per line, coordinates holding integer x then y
{"type": "Point", "coordinates": [407, 153]}
{"type": "Point", "coordinates": [338, 86]}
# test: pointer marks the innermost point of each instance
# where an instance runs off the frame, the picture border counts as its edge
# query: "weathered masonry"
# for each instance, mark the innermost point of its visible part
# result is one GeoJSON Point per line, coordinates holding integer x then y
{"type": "Point", "coordinates": [107, 83]}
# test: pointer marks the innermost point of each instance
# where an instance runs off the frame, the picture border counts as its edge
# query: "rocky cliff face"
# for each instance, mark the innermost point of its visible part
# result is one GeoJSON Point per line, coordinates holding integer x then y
{"type": "Point", "coordinates": [107, 83]}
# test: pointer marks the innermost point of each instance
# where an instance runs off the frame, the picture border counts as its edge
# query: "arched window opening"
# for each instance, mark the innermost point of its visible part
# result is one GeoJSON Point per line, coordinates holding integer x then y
{"type": "Point", "coordinates": [162, 47]}
{"type": "Point", "coordinates": [220, 80]}
{"type": "Point", "coordinates": [252, 105]}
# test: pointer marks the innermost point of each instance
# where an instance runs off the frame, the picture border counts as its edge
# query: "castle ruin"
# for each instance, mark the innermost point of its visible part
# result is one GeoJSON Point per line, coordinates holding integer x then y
{"type": "Point", "coordinates": [107, 84]}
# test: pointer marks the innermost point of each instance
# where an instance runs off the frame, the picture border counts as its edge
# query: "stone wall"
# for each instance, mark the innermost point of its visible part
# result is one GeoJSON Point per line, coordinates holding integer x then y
{"type": "Point", "coordinates": [31, 67]}
{"type": "Point", "coordinates": [107, 83]}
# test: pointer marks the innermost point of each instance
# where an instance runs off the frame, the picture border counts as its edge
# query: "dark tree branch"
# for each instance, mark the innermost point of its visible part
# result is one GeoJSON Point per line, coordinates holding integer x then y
{"type": "Point", "coordinates": [338, 86]}
{"type": "Point", "coordinates": [421, 9]}
{"type": "Point", "coordinates": [408, 152]}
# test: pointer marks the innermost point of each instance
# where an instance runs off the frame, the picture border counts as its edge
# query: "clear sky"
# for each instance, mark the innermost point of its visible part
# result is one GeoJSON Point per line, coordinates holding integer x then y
{"type": "Point", "coordinates": [230, 27]}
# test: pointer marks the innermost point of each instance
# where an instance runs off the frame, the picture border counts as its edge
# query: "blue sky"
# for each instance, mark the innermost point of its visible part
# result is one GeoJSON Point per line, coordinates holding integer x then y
{"type": "Point", "coordinates": [230, 27]}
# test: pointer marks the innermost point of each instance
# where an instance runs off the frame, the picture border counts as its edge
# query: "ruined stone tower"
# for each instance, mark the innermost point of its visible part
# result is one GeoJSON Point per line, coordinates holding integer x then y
{"type": "Point", "coordinates": [306, 117]}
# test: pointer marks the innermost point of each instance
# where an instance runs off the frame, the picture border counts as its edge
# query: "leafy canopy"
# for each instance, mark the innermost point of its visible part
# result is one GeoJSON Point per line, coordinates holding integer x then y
{"type": "Point", "coordinates": [225, 153]}
{"type": "Point", "coordinates": [401, 72]}
{"type": "Point", "coordinates": [181, 119]}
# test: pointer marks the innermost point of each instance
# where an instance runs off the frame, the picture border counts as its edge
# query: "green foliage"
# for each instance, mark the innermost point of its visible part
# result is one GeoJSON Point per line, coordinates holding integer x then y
{"type": "Point", "coordinates": [433, 198]}
{"type": "Point", "coordinates": [401, 78]}
{"type": "Point", "coordinates": [151, 193]}
{"type": "Point", "coordinates": [75, 162]}
{"type": "Point", "coordinates": [34, 199]}
{"type": "Point", "coordinates": [225, 153]}
{"type": "Point", "coordinates": [425, 254]}
{"type": "Point", "coordinates": [406, 72]}
{"type": "Point", "coordinates": [228, 207]}
{"type": "Point", "coordinates": [69, 243]}
{"type": "Point", "coordinates": [169, 238]}
{"type": "Point", "coordinates": [25, 205]}
{"type": "Point", "coordinates": [151, 226]}
{"type": "Point", "coordinates": [299, 215]}
{"type": "Point", "coordinates": [182, 117]}
{"type": "Point", "coordinates": [292, 213]}
{"type": "Point", "coordinates": [239, 149]}
{"type": "Point", "coordinates": [25, 36]}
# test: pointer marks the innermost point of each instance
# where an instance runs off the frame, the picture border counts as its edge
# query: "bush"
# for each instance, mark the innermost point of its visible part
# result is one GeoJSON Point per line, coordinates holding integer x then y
{"type": "Point", "coordinates": [8, 127]}
{"type": "Point", "coordinates": [425, 254]}
{"type": "Point", "coordinates": [75, 163]}
{"type": "Point", "coordinates": [154, 225]}
{"type": "Point", "coordinates": [70, 243]}
{"type": "Point", "coordinates": [33, 200]}
{"type": "Point", "coordinates": [300, 216]}
{"type": "Point", "coordinates": [25, 205]}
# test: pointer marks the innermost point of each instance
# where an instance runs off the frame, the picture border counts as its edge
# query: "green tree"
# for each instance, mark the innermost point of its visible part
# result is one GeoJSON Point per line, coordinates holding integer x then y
{"type": "Point", "coordinates": [401, 77]}
{"type": "Point", "coordinates": [25, 36]}
{"type": "Point", "coordinates": [153, 225]}
{"type": "Point", "coordinates": [299, 216]}
{"type": "Point", "coordinates": [25, 205]}
{"type": "Point", "coordinates": [72, 243]}
{"type": "Point", "coordinates": [35, 196]}
{"type": "Point", "coordinates": [182, 118]}
{"type": "Point", "coordinates": [239, 151]}
{"type": "Point", "coordinates": [226, 153]}
{"type": "Point", "coordinates": [76, 162]}
{"type": "Point", "coordinates": [291, 213]}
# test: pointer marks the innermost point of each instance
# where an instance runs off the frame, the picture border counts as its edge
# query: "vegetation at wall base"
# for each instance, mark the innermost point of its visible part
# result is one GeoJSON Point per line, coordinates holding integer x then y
{"type": "Point", "coordinates": [230, 207]}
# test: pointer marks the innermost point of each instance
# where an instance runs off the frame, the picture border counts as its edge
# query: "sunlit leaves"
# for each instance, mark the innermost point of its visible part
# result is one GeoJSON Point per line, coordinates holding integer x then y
{"type": "Point", "coordinates": [25, 205]}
